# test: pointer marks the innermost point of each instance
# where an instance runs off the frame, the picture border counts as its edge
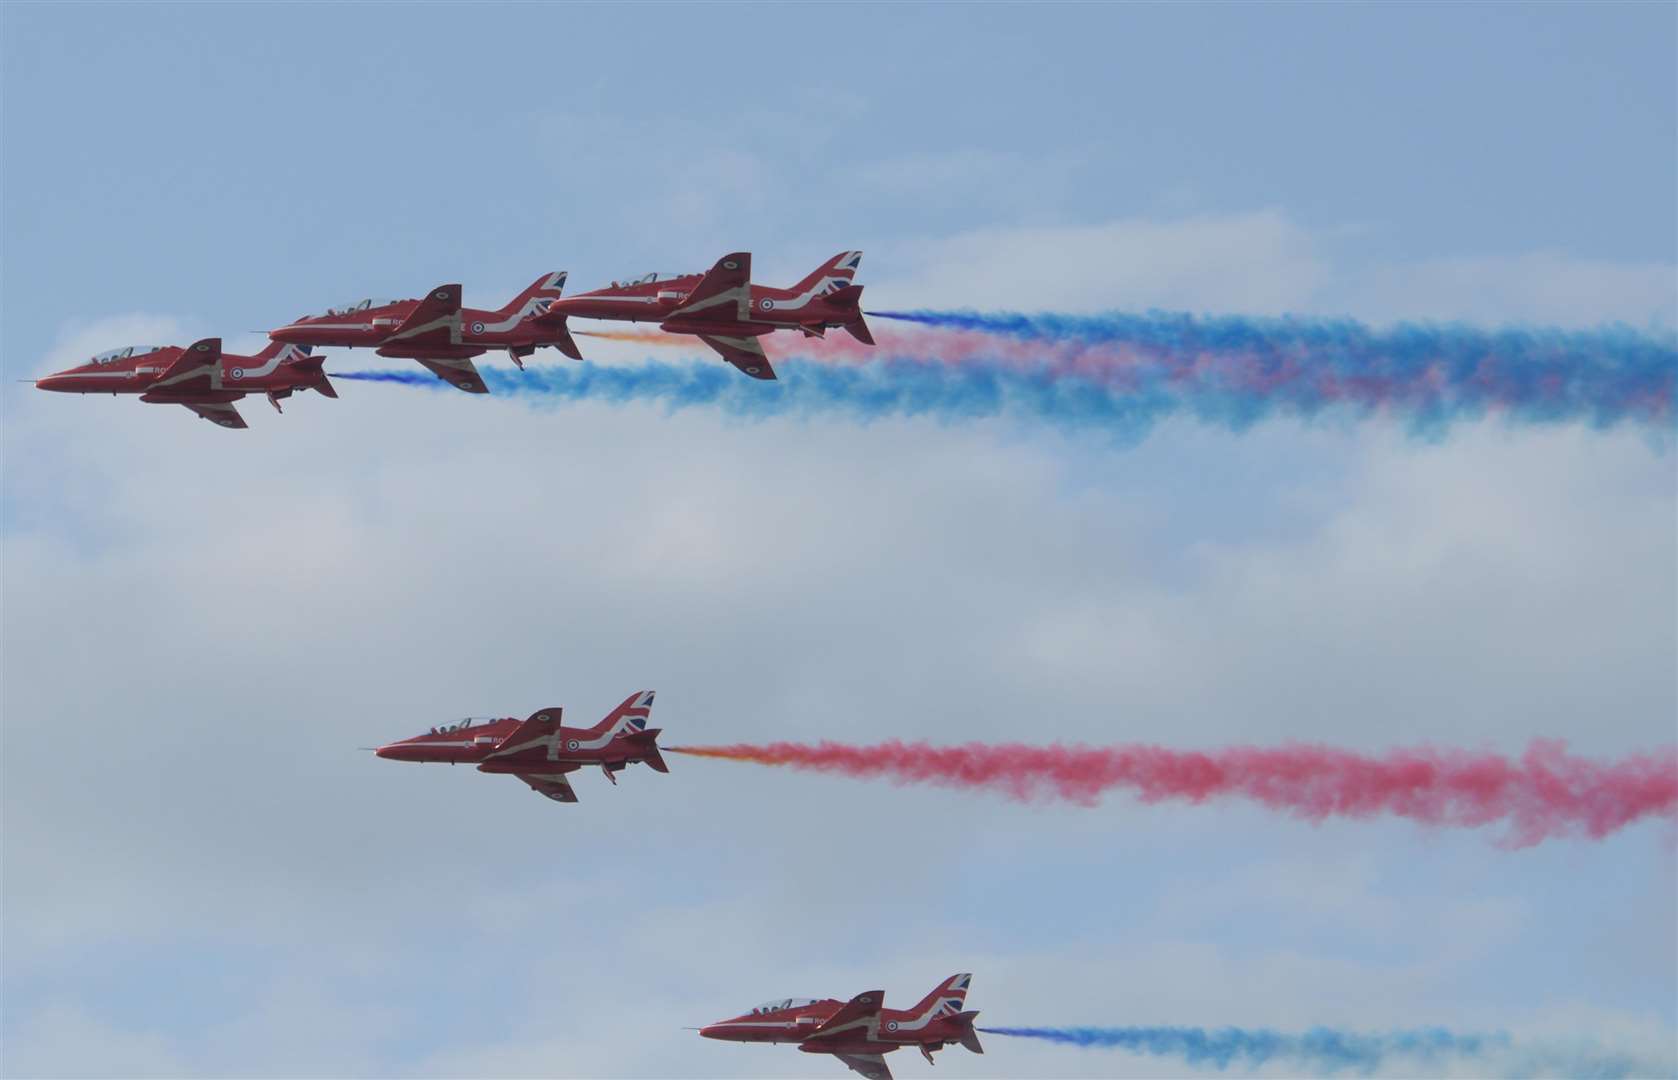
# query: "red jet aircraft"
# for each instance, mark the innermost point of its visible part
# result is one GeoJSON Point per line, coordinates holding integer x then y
{"type": "Point", "coordinates": [539, 751]}
{"type": "Point", "coordinates": [725, 310]}
{"type": "Point", "coordinates": [200, 376]}
{"type": "Point", "coordinates": [438, 332]}
{"type": "Point", "coordinates": [858, 1032]}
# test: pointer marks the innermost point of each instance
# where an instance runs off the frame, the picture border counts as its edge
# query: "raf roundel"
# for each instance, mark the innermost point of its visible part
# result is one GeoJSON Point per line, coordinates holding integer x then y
{"type": "Point", "coordinates": [572, 744]}
{"type": "Point", "coordinates": [440, 294]}
{"type": "Point", "coordinates": [730, 264]}
{"type": "Point", "coordinates": [766, 304]}
{"type": "Point", "coordinates": [477, 328]}
{"type": "Point", "coordinates": [238, 373]}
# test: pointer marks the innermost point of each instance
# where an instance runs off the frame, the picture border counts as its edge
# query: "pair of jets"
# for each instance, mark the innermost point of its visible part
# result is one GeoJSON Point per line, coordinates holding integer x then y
{"type": "Point", "coordinates": [721, 307]}
{"type": "Point", "coordinates": [541, 751]}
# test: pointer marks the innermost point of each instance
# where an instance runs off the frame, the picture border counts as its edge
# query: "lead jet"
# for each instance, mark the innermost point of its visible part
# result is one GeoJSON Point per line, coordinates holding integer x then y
{"type": "Point", "coordinates": [438, 332]}
{"type": "Point", "coordinates": [860, 1031]}
{"type": "Point", "coordinates": [200, 376]}
{"type": "Point", "coordinates": [540, 751]}
{"type": "Point", "coordinates": [725, 310]}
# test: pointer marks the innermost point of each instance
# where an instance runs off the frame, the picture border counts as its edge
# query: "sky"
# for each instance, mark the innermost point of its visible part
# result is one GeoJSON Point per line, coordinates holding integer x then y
{"type": "Point", "coordinates": [204, 876]}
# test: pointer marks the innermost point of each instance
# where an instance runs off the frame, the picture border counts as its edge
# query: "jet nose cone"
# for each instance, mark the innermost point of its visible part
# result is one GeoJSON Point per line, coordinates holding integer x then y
{"type": "Point", "coordinates": [56, 381]}
{"type": "Point", "coordinates": [710, 1031]}
{"type": "Point", "coordinates": [388, 751]}
{"type": "Point", "coordinates": [288, 335]}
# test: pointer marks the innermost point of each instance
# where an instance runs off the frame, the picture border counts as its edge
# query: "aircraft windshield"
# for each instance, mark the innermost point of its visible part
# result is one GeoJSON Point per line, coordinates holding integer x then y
{"type": "Point", "coordinates": [359, 305]}
{"type": "Point", "coordinates": [461, 725]}
{"type": "Point", "coordinates": [644, 279]}
{"type": "Point", "coordinates": [783, 1003]}
{"type": "Point", "coordinates": [124, 353]}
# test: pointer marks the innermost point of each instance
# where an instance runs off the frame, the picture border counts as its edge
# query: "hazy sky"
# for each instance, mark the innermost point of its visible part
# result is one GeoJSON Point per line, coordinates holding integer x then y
{"type": "Point", "coordinates": [203, 876]}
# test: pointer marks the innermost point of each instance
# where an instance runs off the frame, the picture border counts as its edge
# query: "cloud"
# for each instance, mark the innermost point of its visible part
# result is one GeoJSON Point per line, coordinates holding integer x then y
{"type": "Point", "coordinates": [1263, 262]}
{"type": "Point", "coordinates": [200, 627]}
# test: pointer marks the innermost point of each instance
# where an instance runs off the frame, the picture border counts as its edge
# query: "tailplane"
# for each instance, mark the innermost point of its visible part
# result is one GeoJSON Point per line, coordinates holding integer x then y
{"type": "Point", "coordinates": [311, 370]}
{"type": "Point", "coordinates": [849, 301]}
{"type": "Point", "coordinates": [646, 744]}
{"type": "Point", "coordinates": [969, 1038]}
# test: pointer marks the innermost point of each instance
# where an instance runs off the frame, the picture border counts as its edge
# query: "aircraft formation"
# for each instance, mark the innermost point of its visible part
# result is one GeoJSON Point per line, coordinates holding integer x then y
{"type": "Point", "coordinates": [542, 751]}
{"type": "Point", "coordinates": [721, 307]}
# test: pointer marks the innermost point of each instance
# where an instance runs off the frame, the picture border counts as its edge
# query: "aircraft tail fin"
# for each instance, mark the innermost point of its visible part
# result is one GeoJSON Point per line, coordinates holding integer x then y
{"type": "Point", "coordinates": [969, 1038]}
{"type": "Point", "coordinates": [833, 274]}
{"type": "Point", "coordinates": [535, 299]}
{"type": "Point", "coordinates": [849, 301]}
{"type": "Point", "coordinates": [628, 718]}
{"type": "Point", "coordinates": [946, 998]}
{"type": "Point", "coordinates": [273, 349]}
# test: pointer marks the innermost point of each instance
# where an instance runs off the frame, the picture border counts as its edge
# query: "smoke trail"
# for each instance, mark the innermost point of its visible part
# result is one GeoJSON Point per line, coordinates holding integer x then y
{"type": "Point", "coordinates": [1546, 793]}
{"type": "Point", "coordinates": [1430, 372]}
{"type": "Point", "coordinates": [1326, 1050]}
{"type": "Point", "coordinates": [1073, 390]}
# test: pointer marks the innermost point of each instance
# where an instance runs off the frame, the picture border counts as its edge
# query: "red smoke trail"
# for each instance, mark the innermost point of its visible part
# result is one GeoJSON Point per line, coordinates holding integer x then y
{"type": "Point", "coordinates": [1548, 792]}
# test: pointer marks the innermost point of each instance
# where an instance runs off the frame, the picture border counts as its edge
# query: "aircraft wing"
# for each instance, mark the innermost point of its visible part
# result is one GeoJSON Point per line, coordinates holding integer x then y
{"type": "Point", "coordinates": [461, 373]}
{"type": "Point", "coordinates": [197, 368]}
{"type": "Point", "coordinates": [745, 353]}
{"type": "Point", "coordinates": [855, 1013]}
{"type": "Point", "coordinates": [552, 784]}
{"type": "Point", "coordinates": [725, 291]}
{"type": "Point", "coordinates": [872, 1066]}
{"type": "Point", "coordinates": [434, 321]}
{"type": "Point", "coordinates": [218, 412]}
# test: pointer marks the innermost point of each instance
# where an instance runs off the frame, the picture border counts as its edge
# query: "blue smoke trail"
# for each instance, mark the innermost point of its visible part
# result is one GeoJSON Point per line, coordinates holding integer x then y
{"type": "Point", "coordinates": [1602, 374]}
{"type": "Point", "coordinates": [1326, 1050]}
{"type": "Point", "coordinates": [979, 388]}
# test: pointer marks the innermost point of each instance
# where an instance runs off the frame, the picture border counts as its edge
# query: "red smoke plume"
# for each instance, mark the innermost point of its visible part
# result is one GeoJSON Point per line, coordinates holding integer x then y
{"type": "Point", "coordinates": [1547, 792]}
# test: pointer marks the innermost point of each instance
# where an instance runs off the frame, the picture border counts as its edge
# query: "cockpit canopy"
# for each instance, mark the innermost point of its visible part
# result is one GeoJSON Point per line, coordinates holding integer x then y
{"type": "Point", "coordinates": [359, 305]}
{"type": "Point", "coordinates": [783, 1003]}
{"type": "Point", "coordinates": [644, 279]}
{"type": "Point", "coordinates": [462, 725]}
{"type": "Point", "coordinates": [112, 355]}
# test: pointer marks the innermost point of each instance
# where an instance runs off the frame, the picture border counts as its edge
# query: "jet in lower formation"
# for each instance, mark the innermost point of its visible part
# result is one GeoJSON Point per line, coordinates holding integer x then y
{"type": "Point", "coordinates": [200, 376]}
{"type": "Point", "coordinates": [541, 751]}
{"type": "Point", "coordinates": [725, 310]}
{"type": "Point", "coordinates": [860, 1031]}
{"type": "Point", "coordinates": [438, 332]}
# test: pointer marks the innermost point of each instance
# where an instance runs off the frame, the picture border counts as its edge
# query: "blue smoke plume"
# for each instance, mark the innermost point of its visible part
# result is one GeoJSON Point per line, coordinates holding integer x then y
{"type": "Point", "coordinates": [1327, 1051]}
{"type": "Point", "coordinates": [1428, 370]}
{"type": "Point", "coordinates": [1123, 403]}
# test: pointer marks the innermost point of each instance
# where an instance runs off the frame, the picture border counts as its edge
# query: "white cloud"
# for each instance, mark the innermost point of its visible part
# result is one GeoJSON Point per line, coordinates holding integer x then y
{"type": "Point", "coordinates": [201, 626]}
{"type": "Point", "coordinates": [1261, 263]}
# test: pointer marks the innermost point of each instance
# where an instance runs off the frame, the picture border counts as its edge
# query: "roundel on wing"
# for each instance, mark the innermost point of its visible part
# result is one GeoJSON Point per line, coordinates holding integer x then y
{"type": "Point", "coordinates": [753, 370]}
{"type": "Point", "coordinates": [572, 744]}
{"type": "Point", "coordinates": [477, 328]}
{"type": "Point", "coordinates": [730, 264]}
{"type": "Point", "coordinates": [464, 384]}
{"type": "Point", "coordinates": [238, 373]}
{"type": "Point", "coordinates": [542, 716]}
